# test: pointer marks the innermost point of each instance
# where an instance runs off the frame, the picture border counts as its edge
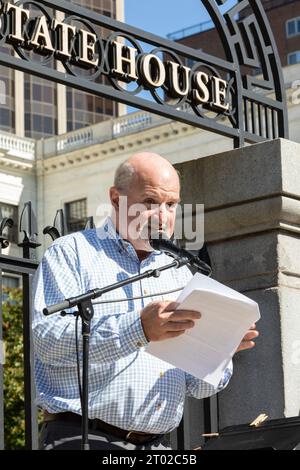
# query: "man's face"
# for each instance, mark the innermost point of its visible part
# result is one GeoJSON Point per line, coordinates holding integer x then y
{"type": "Point", "coordinates": [148, 207]}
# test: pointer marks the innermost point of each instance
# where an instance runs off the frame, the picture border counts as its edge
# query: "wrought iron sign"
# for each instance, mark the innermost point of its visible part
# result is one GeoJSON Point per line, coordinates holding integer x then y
{"type": "Point", "coordinates": [68, 44]}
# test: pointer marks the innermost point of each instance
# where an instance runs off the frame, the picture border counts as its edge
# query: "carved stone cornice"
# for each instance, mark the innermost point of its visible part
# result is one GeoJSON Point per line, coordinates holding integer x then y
{"type": "Point", "coordinates": [16, 163]}
{"type": "Point", "coordinates": [277, 212]}
{"type": "Point", "coordinates": [115, 147]}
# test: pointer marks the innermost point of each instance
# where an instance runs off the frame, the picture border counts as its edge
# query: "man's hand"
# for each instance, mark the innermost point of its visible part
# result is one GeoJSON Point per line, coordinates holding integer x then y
{"type": "Point", "coordinates": [160, 320]}
{"type": "Point", "coordinates": [247, 342]}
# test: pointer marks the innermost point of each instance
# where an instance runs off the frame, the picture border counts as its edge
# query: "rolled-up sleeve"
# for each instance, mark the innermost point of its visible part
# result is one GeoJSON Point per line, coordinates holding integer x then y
{"type": "Point", "coordinates": [198, 388]}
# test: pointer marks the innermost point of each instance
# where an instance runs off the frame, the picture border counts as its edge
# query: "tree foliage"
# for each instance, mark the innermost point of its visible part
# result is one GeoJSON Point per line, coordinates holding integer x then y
{"type": "Point", "coordinates": [14, 412]}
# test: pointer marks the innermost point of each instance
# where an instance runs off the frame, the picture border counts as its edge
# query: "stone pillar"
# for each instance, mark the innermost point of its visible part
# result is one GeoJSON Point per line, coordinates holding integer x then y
{"type": "Point", "coordinates": [252, 228]}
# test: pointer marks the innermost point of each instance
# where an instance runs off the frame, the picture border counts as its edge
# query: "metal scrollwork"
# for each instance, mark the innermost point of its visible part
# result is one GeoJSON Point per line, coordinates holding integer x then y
{"type": "Point", "coordinates": [72, 67]}
{"type": "Point", "coordinates": [222, 95]}
{"type": "Point", "coordinates": [25, 50]}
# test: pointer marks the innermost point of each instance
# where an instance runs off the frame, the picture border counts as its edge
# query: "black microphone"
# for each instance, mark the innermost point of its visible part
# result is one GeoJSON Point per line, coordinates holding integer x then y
{"type": "Point", "coordinates": [161, 242]}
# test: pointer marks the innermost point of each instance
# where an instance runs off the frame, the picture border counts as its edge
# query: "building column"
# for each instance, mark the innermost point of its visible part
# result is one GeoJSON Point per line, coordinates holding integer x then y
{"type": "Point", "coordinates": [19, 103]}
{"type": "Point", "coordinates": [252, 228]}
{"type": "Point", "coordinates": [61, 105]}
{"type": "Point", "coordinates": [120, 16]}
{"type": "Point", "coordinates": [61, 92]}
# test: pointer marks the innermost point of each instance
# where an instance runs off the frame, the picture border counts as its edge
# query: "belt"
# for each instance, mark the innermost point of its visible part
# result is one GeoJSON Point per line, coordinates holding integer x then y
{"type": "Point", "coordinates": [134, 437]}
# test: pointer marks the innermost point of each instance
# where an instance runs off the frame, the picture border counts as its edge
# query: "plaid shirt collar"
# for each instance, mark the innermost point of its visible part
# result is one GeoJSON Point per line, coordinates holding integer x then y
{"type": "Point", "coordinates": [110, 232]}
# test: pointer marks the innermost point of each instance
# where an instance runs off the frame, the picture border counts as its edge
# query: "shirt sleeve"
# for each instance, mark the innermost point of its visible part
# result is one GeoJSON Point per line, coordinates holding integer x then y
{"type": "Point", "coordinates": [112, 336]}
{"type": "Point", "coordinates": [198, 388]}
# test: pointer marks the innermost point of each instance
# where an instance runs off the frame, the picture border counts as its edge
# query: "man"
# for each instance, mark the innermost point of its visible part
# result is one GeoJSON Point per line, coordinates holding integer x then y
{"type": "Point", "coordinates": [134, 398]}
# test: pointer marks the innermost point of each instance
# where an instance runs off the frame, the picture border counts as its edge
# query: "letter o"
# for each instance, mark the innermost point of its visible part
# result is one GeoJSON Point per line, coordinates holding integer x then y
{"type": "Point", "coordinates": [147, 61]}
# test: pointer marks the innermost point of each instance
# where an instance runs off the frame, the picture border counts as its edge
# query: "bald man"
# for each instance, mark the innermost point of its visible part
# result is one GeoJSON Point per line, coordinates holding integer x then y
{"type": "Point", "coordinates": [135, 399]}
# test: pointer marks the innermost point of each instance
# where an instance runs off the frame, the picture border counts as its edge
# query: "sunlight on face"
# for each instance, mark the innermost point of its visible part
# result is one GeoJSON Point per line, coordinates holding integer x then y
{"type": "Point", "coordinates": [148, 207]}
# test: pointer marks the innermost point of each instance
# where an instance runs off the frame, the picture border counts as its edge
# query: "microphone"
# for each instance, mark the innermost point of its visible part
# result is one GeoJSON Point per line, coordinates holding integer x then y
{"type": "Point", "coordinates": [161, 242]}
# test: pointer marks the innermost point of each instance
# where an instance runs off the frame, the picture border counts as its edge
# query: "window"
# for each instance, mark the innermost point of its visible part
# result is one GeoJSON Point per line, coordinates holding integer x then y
{"type": "Point", "coordinates": [257, 71]}
{"type": "Point", "coordinates": [37, 92]}
{"type": "Point", "coordinates": [293, 27]}
{"type": "Point", "coordinates": [10, 281]}
{"type": "Point", "coordinates": [11, 212]}
{"type": "Point", "coordinates": [76, 213]}
{"type": "Point", "coordinates": [7, 100]}
{"type": "Point", "coordinates": [48, 125]}
{"type": "Point", "coordinates": [40, 107]}
{"type": "Point", "coordinates": [78, 101]}
{"type": "Point", "coordinates": [5, 117]}
{"type": "Point", "coordinates": [189, 62]}
{"type": "Point", "coordinates": [293, 58]}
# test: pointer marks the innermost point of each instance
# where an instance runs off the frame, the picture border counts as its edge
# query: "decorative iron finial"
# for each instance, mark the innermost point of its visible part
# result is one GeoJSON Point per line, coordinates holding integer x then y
{"type": "Point", "coordinates": [58, 229]}
{"type": "Point", "coordinates": [28, 226]}
{"type": "Point", "coordinates": [5, 222]}
{"type": "Point", "coordinates": [90, 223]}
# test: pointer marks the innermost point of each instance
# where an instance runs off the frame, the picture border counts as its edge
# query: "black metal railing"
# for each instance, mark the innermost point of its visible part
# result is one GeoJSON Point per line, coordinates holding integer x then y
{"type": "Point", "coordinates": [25, 266]}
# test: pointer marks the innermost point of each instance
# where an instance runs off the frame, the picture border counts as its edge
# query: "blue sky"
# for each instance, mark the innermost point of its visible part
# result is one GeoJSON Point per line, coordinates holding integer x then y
{"type": "Point", "coordinates": [166, 16]}
{"type": "Point", "coordinates": [162, 17]}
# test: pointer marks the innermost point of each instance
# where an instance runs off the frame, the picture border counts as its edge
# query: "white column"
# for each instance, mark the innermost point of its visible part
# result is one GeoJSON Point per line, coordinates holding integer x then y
{"type": "Point", "coordinates": [61, 93]}
{"type": "Point", "coordinates": [19, 103]}
{"type": "Point", "coordinates": [120, 16]}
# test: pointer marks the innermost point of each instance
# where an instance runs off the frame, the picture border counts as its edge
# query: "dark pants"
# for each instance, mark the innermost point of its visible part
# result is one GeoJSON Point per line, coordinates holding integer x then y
{"type": "Point", "coordinates": [60, 435]}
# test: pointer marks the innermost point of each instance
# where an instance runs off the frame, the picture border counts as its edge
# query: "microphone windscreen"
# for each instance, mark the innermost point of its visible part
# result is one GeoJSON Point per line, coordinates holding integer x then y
{"type": "Point", "coordinates": [154, 242]}
{"type": "Point", "coordinates": [156, 238]}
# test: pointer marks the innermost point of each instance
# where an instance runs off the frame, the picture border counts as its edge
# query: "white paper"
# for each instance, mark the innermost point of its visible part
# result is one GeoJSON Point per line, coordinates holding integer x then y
{"type": "Point", "coordinates": [206, 350]}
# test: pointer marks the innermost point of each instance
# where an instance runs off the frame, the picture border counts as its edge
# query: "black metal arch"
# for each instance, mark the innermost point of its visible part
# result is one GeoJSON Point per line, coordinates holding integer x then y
{"type": "Point", "coordinates": [248, 44]}
{"type": "Point", "coordinates": [253, 117]}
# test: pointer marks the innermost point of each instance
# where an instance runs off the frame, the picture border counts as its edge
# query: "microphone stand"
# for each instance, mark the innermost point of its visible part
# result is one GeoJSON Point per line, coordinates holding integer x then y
{"type": "Point", "coordinates": [86, 312]}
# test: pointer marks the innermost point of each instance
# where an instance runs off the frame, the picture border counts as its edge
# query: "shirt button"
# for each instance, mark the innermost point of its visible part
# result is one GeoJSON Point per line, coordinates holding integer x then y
{"type": "Point", "coordinates": [158, 407]}
{"type": "Point", "coordinates": [161, 374]}
{"type": "Point", "coordinates": [145, 292]}
{"type": "Point", "coordinates": [139, 344]}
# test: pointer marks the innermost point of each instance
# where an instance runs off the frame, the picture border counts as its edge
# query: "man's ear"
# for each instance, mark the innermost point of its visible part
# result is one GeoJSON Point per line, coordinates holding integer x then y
{"type": "Point", "coordinates": [114, 197]}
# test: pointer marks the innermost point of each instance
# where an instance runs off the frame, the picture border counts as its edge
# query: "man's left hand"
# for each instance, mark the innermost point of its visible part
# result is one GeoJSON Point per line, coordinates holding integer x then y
{"type": "Point", "coordinates": [247, 342]}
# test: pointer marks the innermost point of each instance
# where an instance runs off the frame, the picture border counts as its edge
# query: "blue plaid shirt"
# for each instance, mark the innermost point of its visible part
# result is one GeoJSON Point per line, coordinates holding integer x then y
{"type": "Point", "coordinates": [128, 387]}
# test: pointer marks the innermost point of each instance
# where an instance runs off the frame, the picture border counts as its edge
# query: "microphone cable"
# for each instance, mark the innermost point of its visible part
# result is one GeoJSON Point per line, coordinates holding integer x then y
{"type": "Point", "coordinates": [125, 299]}
{"type": "Point", "coordinates": [109, 301]}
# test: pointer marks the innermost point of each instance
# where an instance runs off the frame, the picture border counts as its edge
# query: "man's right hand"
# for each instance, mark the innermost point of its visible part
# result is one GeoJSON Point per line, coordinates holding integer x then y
{"type": "Point", "coordinates": [161, 320]}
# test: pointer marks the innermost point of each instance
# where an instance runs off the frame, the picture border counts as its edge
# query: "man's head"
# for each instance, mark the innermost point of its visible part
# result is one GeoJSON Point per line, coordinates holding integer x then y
{"type": "Point", "coordinates": [144, 197]}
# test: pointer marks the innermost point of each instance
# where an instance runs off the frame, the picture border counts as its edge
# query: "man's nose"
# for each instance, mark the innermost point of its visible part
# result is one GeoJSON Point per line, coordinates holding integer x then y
{"type": "Point", "coordinates": [163, 214]}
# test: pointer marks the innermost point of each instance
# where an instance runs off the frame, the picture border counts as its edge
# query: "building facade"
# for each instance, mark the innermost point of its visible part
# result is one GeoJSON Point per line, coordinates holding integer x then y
{"type": "Point", "coordinates": [284, 19]}
{"type": "Point", "coordinates": [48, 171]}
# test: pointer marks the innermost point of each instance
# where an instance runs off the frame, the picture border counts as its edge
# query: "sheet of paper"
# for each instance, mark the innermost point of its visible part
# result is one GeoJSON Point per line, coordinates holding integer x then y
{"type": "Point", "coordinates": [206, 350]}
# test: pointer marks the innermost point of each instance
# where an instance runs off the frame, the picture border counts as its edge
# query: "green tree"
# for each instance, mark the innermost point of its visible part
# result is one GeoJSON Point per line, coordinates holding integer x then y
{"type": "Point", "coordinates": [14, 413]}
